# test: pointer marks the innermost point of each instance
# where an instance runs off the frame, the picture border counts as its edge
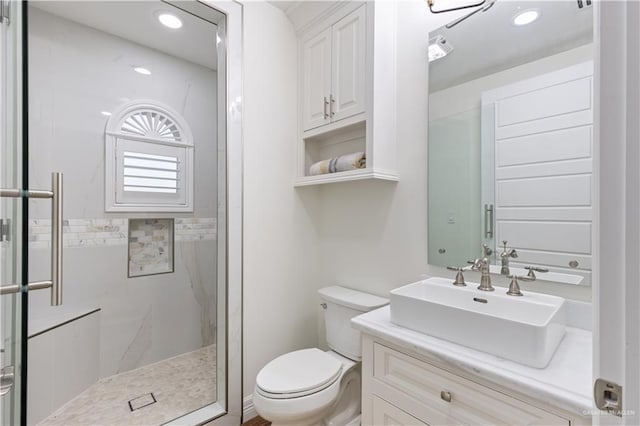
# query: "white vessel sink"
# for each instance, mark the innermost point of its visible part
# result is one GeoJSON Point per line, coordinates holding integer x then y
{"type": "Point", "coordinates": [525, 329]}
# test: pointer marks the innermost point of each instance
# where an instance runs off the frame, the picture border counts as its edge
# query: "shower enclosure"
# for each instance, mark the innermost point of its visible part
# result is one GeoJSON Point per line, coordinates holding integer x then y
{"type": "Point", "coordinates": [119, 274]}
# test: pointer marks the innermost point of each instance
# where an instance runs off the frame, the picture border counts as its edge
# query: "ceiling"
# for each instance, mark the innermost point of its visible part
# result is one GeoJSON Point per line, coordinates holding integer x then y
{"type": "Point", "coordinates": [136, 21]}
{"type": "Point", "coordinates": [303, 13]}
{"type": "Point", "coordinates": [284, 5]}
{"type": "Point", "coordinates": [488, 42]}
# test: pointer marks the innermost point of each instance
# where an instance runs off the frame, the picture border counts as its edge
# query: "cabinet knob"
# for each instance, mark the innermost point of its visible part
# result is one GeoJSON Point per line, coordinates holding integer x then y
{"type": "Point", "coordinates": [445, 396]}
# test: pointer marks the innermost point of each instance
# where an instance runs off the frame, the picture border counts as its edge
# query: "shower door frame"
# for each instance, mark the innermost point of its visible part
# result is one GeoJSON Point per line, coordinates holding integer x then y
{"type": "Point", "coordinates": [227, 410]}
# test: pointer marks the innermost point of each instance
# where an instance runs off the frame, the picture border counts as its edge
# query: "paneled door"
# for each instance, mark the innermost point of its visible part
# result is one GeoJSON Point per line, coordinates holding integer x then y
{"type": "Point", "coordinates": [348, 64]}
{"type": "Point", "coordinates": [316, 80]}
{"type": "Point", "coordinates": [544, 170]}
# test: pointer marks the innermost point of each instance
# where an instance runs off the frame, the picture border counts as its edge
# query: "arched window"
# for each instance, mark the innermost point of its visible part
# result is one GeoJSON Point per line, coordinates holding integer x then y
{"type": "Point", "coordinates": [149, 160]}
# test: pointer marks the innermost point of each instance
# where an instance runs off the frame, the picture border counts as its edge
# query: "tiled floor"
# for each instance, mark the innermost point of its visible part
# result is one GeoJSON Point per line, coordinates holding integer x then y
{"type": "Point", "coordinates": [179, 385]}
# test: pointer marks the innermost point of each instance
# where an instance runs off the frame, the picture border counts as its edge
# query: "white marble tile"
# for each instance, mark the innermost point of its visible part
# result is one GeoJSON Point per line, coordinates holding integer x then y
{"type": "Point", "coordinates": [63, 362]}
{"type": "Point", "coordinates": [564, 383]}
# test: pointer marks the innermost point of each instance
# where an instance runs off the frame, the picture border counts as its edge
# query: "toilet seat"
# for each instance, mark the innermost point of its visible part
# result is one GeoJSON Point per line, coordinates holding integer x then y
{"type": "Point", "coordinates": [297, 374]}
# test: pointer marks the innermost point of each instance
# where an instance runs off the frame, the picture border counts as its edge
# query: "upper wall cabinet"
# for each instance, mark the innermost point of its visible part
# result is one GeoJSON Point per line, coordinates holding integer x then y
{"type": "Point", "coordinates": [333, 72]}
{"type": "Point", "coordinates": [347, 95]}
{"type": "Point", "coordinates": [316, 80]}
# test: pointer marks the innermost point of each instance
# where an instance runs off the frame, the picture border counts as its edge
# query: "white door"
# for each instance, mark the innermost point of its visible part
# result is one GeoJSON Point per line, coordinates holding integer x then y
{"type": "Point", "coordinates": [348, 65]}
{"type": "Point", "coordinates": [316, 80]}
{"type": "Point", "coordinates": [616, 293]}
{"type": "Point", "coordinates": [544, 170]}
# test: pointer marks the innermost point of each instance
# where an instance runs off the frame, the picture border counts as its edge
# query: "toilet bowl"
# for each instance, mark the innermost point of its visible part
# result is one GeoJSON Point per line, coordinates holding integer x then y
{"type": "Point", "coordinates": [307, 386]}
{"type": "Point", "coordinates": [312, 387]}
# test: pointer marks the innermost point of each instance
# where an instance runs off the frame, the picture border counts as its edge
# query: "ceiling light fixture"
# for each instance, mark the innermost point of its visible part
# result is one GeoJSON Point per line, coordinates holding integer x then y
{"type": "Point", "coordinates": [431, 3]}
{"type": "Point", "coordinates": [142, 71]}
{"type": "Point", "coordinates": [170, 21]}
{"type": "Point", "coordinates": [526, 17]}
{"type": "Point", "coordinates": [439, 47]}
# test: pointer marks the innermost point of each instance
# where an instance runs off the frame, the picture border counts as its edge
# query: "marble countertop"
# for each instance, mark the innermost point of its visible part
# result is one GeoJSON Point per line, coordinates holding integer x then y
{"type": "Point", "coordinates": [565, 383]}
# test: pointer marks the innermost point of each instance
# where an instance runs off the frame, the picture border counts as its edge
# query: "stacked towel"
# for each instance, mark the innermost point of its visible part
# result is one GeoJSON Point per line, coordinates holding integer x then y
{"type": "Point", "coordinates": [343, 163]}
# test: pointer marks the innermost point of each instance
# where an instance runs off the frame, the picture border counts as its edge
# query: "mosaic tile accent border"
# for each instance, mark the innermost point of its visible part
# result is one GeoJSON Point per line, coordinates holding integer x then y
{"type": "Point", "coordinates": [113, 232]}
{"type": "Point", "coordinates": [150, 246]}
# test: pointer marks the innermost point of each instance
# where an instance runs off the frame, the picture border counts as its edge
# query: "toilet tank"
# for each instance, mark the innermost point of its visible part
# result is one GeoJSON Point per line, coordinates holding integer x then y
{"type": "Point", "coordinates": [340, 304]}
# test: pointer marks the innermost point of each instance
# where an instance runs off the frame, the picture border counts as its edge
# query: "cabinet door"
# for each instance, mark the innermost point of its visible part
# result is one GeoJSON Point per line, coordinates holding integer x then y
{"type": "Point", "coordinates": [316, 80]}
{"type": "Point", "coordinates": [348, 65]}
{"type": "Point", "coordinates": [385, 414]}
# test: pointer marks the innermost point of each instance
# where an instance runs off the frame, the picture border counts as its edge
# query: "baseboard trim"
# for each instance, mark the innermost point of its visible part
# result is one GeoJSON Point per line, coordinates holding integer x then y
{"type": "Point", "coordinates": [248, 409]}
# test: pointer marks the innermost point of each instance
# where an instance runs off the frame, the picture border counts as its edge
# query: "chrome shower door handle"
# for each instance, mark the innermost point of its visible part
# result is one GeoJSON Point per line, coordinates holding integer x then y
{"type": "Point", "coordinates": [488, 221]}
{"type": "Point", "coordinates": [56, 239]}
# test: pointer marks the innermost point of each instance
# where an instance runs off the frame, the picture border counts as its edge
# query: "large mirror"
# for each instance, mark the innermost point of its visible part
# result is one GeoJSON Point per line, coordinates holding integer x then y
{"type": "Point", "coordinates": [510, 149]}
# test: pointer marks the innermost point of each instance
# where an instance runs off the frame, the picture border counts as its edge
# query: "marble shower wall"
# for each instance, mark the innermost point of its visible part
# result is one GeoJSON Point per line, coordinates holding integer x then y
{"type": "Point", "coordinates": [77, 72]}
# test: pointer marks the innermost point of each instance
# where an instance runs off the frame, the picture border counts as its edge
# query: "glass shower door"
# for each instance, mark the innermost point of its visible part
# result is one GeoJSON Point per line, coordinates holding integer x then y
{"type": "Point", "coordinates": [12, 334]}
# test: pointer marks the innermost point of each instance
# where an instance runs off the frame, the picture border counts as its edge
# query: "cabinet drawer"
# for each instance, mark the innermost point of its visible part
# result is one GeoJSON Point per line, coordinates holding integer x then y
{"type": "Point", "coordinates": [385, 414]}
{"type": "Point", "coordinates": [436, 396]}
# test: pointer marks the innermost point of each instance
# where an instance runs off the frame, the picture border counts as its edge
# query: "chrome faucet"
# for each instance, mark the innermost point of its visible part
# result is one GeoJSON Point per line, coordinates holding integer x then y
{"type": "Point", "coordinates": [504, 258]}
{"type": "Point", "coordinates": [482, 264]}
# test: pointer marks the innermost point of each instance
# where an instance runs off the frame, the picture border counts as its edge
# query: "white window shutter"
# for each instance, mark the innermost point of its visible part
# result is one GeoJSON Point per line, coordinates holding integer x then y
{"type": "Point", "coordinates": [149, 167]}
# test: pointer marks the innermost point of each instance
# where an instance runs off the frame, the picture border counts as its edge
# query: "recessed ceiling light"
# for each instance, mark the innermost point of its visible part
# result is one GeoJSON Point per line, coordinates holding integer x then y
{"type": "Point", "coordinates": [142, 71]}
{"type": "Point", "coordinates": [105, 113]}
{"type": "Point", "coordinates": [526, 17]}
{"type": "Point", "coordinates": [170, 21]}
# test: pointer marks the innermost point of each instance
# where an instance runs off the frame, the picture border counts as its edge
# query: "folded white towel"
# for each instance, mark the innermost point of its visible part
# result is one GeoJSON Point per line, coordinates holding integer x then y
{"type": "Point", "coordinates": [343, 163]}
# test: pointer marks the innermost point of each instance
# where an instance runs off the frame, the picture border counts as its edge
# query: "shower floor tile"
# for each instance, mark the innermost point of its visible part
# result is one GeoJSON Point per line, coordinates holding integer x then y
{"type": "Point", "coordinates": [179, 385]}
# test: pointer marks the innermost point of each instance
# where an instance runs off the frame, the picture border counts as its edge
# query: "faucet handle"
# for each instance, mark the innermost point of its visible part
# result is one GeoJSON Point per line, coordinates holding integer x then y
{"type": "Point", "coordinates": [531, 269]}
{"type": "Point", "coordinates": [459, 281]}
{"type": "Point", "coordinates": [475, 263]}
{"type": "Point", "coordinates": [514, 287]}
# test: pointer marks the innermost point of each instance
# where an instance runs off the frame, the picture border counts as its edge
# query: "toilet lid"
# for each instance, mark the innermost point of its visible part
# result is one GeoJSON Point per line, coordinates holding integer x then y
{"type": "Point", "coordinates": [298, 373]}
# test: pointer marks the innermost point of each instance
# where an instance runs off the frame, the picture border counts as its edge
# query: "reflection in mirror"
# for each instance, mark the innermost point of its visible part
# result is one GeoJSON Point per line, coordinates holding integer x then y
{"type": "Point", "coordinates": [510, 140]}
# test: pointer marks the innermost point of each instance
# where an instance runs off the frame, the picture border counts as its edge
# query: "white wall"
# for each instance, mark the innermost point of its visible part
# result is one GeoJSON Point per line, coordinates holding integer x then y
{"type": "Point", "coordinates": [281, 258]}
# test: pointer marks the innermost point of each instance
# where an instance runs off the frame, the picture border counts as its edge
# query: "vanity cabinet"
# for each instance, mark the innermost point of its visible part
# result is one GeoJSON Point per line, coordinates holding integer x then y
{"type": "Point", "coordinates": [347, 94]}
{"type": "Point", "coordinates": [333, 72]}
{"type": "Point", "coordinates": [402, 389]}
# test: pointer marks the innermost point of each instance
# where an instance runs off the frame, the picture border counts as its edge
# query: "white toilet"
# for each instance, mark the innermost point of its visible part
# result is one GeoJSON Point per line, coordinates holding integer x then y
{"type": "Point", "coordinates": [309, 386]}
